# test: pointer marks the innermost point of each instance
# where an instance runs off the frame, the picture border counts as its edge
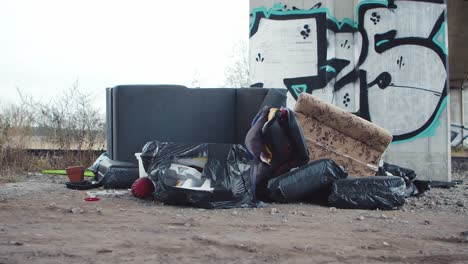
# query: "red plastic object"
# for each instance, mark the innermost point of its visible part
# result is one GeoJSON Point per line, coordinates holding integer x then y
{"type": "Point", "coordinates": [142, 187]}
{"type": "Point", "coordinates": [75, 173]}
{"type": "Point", "coordinates": [92, 199]}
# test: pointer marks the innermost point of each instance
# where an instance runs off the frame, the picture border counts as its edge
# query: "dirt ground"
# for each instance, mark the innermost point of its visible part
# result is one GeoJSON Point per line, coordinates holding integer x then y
{"type": "Point", "coordinates": [43, 222]}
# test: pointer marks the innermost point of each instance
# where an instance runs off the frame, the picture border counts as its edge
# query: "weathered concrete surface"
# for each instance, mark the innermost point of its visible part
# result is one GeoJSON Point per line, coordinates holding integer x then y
{"type": "Point", "coordinates": [387, 61]}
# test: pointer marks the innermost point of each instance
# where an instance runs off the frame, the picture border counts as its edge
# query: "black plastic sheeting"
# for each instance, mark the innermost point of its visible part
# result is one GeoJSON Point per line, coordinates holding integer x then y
{"type": "Point", "coordinates": [95, 167]}
{"type": "Point", "coordinates": [112, 174]}
{"type": "Point", "coordinates": [385, 192]}
{"type": "Point", "coordinates": [228, 168]}
{"type": "Point", "coordinates": [116, 175]}
{"type": "Point", "coordinates": [310, 183]}
{"type": "Point", "coordinates": [413, 187]}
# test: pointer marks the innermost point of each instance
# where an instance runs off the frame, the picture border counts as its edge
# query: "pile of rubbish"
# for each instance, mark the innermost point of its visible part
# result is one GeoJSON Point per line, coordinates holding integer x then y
{"type": "Point", "coordinates": [289, 156]}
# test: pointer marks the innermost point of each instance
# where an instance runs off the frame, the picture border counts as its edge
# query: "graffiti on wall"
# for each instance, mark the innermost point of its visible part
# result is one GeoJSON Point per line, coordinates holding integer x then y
{"type": "Point", "coordinates": [388, 66]}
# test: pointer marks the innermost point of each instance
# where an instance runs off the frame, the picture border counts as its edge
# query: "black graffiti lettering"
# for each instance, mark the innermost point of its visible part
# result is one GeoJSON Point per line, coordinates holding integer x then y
{"type": "Point", "coordinates": [374, 46]}
{"type": "Point", "coordinates": [383, 80]}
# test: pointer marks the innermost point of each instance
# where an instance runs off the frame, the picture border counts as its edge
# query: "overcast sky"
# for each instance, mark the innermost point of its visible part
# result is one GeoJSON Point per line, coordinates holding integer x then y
{"type": "Point", "coordinates": [46, 45]}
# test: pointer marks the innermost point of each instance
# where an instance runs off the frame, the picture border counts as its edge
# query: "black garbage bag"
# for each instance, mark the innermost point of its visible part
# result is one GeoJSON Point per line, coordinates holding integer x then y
{"type": "Point", "coordinates": [310, 183]}
{"type": "Point", "coordinates": [413, 187]}
{"type": "Point", "coordinates": [113, 174]}
{"type": "Point", "coordinates": [385, 192]}
{"type": "Point", "coordinates": [225, 166]}
{"type": "Point", "coordinates": [95, 167]}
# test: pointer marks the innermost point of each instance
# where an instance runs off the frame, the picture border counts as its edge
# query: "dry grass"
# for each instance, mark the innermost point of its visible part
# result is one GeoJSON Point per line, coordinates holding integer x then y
{"type": "Point", "coordinates": [66, 122]}
{"type": "Point", "coordinates": [16, 163]}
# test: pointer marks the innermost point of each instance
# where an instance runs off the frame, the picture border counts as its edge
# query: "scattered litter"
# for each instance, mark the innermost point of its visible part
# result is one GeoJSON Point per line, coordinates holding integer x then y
{"type": "Point", "coordinates": [53, 206]}
{"type": "Point", "coordinates": [16, 243]}
{"type": "Point", "coordinates": [83, 185]}
{"type": "Point", "coordinates": [385, 243]}
{"type": "Point", "coordinates": [332, 209]}
{"type": "Point", "coordinates": [274, 211]}
{"type": "Point", "coordinates": [92, 199]}
{"type": "Point", "coordinates": [106, 193]}
{"type": "Point", "coordinates": [142, 188]}
{"type": "Point", "coordinates": [360, 218]}
{"type": "Point", "coordinates": [464, 236]}
{"type": "Point", "coordinates": [104, 250]}
{"type": "Point", "coordinates": [444, 184]}
{"type": "Point", "coordinates": [76, 210]}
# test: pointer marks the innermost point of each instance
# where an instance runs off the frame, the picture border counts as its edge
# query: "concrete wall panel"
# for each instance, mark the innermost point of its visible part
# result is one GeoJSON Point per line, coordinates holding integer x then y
{"type": "Point", "coordinates": [383, 60]}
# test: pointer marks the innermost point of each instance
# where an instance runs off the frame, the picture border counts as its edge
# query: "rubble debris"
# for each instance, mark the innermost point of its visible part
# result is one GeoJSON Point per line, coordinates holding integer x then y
{"type": "Point", "coordinates": [464, 236]}
{"type": "Point", "coordinates": [274, 211]}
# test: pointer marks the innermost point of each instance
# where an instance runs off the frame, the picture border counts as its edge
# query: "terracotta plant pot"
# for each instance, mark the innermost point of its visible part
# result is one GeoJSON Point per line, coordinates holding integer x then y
{"type": "Point", "coordinates": [75, 173]}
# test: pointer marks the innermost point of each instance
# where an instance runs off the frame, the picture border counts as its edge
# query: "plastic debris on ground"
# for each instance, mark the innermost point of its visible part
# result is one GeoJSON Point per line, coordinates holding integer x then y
{"type": "Point", "coordinates": [94, 168]}
{"type": "Point", "coordinates": [106, 193]}
{"type": "Point", "coordinates": [223, 180]}
{"type": "Point", "coordinates": [413, 187]}
{"type": "Point", "coordinates": [143, 188]}
{"type": "Point", "coordinates": [117, 175]}
{"type": "Point", "coordinates": [385, 192]}
{"type": "Point", "coordinates": [311, 182]}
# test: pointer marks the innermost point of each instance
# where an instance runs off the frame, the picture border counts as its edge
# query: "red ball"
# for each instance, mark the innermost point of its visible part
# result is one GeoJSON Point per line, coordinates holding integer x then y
{"type": "Point", "coordinates": [142, 187]}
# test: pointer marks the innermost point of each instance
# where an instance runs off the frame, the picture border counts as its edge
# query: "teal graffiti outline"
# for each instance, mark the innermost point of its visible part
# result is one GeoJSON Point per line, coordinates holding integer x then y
{"type": "Point", "coordinates": [431, 129]}
{"type": "Point", "coordinates": [299, 87]}
{"type": "Point", "coordinates": [277, 10]}
{"type": "Point", "coordinates": [381, 42]}
{"type": "Point", "coordinates": [328, 68]}
{"type": "Point", "coordinates": [443, 44]}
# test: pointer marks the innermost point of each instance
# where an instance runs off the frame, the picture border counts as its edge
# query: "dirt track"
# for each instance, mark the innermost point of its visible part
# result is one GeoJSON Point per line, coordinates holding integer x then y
{"type": "Point", "coordinates": [43, 222]}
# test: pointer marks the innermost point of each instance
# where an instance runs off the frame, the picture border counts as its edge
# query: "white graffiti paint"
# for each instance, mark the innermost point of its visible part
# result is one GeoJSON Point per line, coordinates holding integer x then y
{"type": "Point", "coordinates": [268, 63]}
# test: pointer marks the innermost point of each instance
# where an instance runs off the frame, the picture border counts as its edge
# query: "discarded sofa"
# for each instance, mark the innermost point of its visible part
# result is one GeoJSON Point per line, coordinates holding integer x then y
{"type": "Point", "coordinates": [137, 114]}
{"type": "Point", "coordinates": [330, 132]}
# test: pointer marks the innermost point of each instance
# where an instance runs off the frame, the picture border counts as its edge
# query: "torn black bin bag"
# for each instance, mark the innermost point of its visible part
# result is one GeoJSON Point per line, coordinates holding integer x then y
{"type": "Point", "coordinates": [385, 192]}
{"type": "Point", "coordinates": [310, 183]}
{"type": "Point", "coordinates": [114, 174]}
{"type": "Point", "coordinates": [227, 167]}
{"type": "Point", "coordinates": [413, 187]}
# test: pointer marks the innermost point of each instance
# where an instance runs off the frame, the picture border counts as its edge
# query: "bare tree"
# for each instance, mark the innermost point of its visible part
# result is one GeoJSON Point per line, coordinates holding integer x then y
{"type": "Point", "coordinates": [70, 119]}
{"type": "Point", "coordinates": [237, 73]}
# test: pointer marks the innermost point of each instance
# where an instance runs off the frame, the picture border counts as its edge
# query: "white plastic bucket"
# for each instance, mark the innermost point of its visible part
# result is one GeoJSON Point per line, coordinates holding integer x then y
{"type": "Point", "coordinates": [141, 169]}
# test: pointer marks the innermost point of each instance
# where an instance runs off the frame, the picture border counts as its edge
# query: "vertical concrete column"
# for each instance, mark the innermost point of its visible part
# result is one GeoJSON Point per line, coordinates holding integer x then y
{"type": "Point", "coordinates": [383, 60]}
